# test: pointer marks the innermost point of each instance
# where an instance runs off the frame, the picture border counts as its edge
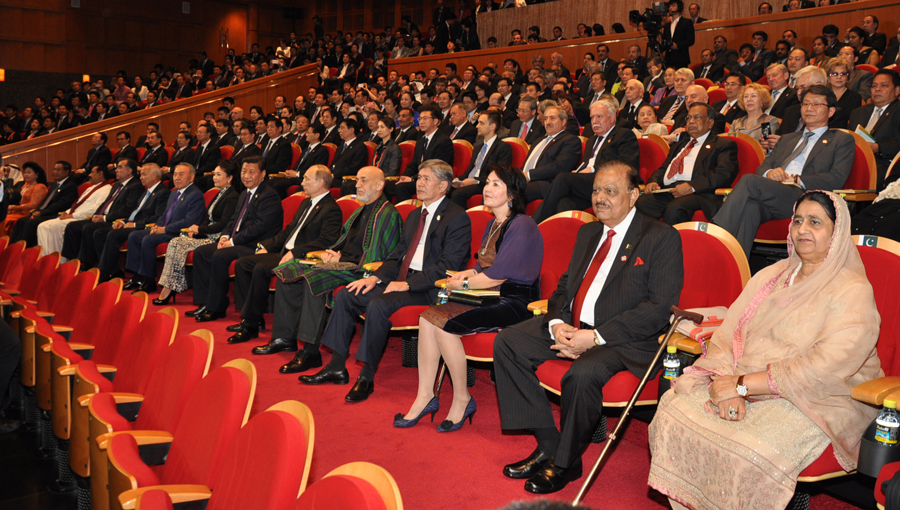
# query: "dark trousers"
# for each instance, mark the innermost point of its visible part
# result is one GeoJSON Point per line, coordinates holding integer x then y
{"type": "Point", "coordinates": [26, 229]}
{"type": "Point", "coordinates": [567, 192]}
{"type": "Point", "coordinates": [404, 190]}
{"type": "Point", "coordinates": [754, 201]}
{"type": "Point", "coordinates": [252, 276]}
{"type": "Point", "coordinates": [211, 274]}
{"type": "Point", "coordinates": [78, 241]}
{"type": "Point", "coordinates": [298, 313]}
{"type": "Point", "coordinates": [107, 244]}
{"type": "Point", "coordinates": [281, 184]}
{"type": "Point", "coordinates": [10, 354]}
{"type": "Point", "coordinates": [461, 196]}
{"type": "Point", "coordinates": [378, 308]}
{"type": "Point", "coordinates": [678, 210]}
{"type": "Point", "coordinates": [72, 238]}
{"type": "Point", "coordinates": [536, 190]}
{"type": "Point", "coordinates": [142, 252]}
{"type": "Point", "coordinates": [518, 351]}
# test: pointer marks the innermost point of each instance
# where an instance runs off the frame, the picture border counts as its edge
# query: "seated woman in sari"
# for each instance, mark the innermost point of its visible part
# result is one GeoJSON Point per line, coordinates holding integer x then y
{"type": "Point", "coordinates": [773, 389]}
{"type": "Point", "coordinates": [510, 258]}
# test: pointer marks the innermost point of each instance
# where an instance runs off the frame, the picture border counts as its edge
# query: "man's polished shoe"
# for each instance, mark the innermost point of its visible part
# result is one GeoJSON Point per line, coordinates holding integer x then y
{"type": "Point", "coordinates": [197, 311]}
{"type": "Point", "coordinates": [131, 284]}
{"type": "Point", "coordinates": [552, 478]}
{"type": "Point", "coordinates": [327, 376]}
{"type": "Point", "coordinates": [301, 363]}
{"type": "Point", "coordinates": [246, 324]}
{"type": "Point", "coordinates": [360, 391]}
{"type": "Point", "coordinates": [209, 316]}
{"type": "Point", "coordinates": [525, 468]}
{"type": "Point", "coordinates": [274, 345]}
{"type": "Point", "coordinates": [242, 336]}
{"type": "Point", "coordinates": [148, 287]}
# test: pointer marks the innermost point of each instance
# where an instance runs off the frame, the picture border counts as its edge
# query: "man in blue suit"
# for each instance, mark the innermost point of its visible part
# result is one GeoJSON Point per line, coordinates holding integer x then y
{"type": "Point", "coordinates": [185, 207]}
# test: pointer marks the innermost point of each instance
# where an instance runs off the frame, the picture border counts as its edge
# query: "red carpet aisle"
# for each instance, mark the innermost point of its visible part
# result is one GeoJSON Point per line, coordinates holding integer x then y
{"type": "Point", "coordinates": [434, 471]}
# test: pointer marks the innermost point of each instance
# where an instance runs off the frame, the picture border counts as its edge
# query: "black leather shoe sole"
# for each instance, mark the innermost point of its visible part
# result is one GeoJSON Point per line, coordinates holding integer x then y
{"type": "Point", "coordinates": [274, 346]}
{"type": "Point", "coordinates": [326, 376]}
{"type": "Point", "coordinates": [301, 364]}
{"type": "Point", "coordinates": [527, 467]}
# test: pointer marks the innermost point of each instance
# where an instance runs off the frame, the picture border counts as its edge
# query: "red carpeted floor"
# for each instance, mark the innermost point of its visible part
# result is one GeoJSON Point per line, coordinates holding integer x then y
{"type": "Point", "coordinates": [462, 469]}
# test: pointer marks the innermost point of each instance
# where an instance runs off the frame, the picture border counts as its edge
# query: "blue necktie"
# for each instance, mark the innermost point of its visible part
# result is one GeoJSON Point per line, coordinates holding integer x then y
{"type": "Point", "coordinates": [171, 208]}
{"type": "Point", "coordinates": [141, 206]}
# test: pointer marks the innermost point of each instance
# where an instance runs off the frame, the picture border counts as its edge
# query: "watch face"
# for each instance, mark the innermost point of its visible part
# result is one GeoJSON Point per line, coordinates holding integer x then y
{"type": "Point", "coordinates": [742, 390]}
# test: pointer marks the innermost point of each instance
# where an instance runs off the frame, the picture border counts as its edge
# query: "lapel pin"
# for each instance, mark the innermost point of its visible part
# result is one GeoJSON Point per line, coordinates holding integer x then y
{"type": "Point", "coordinates": [438, 217]}
{"type": "Point", "coordinates": [707, 147]}
{"type": "Point", "coordinates": [624, 258]}
{"type": "Point", "coordinates": [824, 141]}
{"type": "Point", "coordinates": [628, 246]}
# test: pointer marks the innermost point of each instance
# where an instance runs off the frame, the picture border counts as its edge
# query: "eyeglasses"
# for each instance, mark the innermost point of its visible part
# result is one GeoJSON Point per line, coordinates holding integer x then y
{"type": "Point", "coordinates": [834, 75]}
{"type": "Point", "coordinates": [808, 104]}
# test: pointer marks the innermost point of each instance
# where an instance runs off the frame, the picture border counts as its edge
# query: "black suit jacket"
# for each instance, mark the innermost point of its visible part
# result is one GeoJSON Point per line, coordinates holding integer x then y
{"type": "Point", "coordinates": [278, 159]}
{"type": "Point", "coordinates": [440, 148]}
{"type": "Point", "coordinates": [621, 144]}
{"type": "Point", "coordinates": [188, 211]}
{"type": "Point", "coordinates": [222, 211]}
{"type": "Point", "coordinates": [726, 58]}
{"type": "Point", "coordinates": [889, 57]}
{"type": "Point", "coordinates": [716, 165]}
{"type": "Point", "coordinates": [500, 153]}
{"type": "Point", "coordinates": [410, 134]}
{"type": "Point", "coordinates": [100, 156]}
{"type": "Point", "coordinates": [560, 155]}
{"type": "Point", "coordinates": [785, 99]}
{"type": "Point", "coordinates": [241, 153]}
{"type": "Point", "coordinates": [535, 133]}
{"type": "Point", "coordinates": [206, 160]}
{"type": "Point", "coordinates": [317, 156]}
{"type": "Point", "coordinates": [227, 139]}
{"type": "Point", "coordinates": [680, 120]}
{"type": "Point", "coordinates": [715, 73]}
{"type": "Point", "coordinates": [153, 208]}
{"type": "Point", "coordinates": [185, 156]}
{"type": "Point", "coordinates": [886, 133]}
{"type": "Point", "coordinates": [333, 137]}
{"type": "Point", "coordinates": [263, 219]}
{"type": "Point", "coordinates": [126, 201]}
{"type": "Point", "coordinates": [321, 230]}
{"type": "Point", "coordinates": [447, 245]}
{"type": "Point", "coordinates": [348, 159]}
{"type": "Point", "coordinates": [633, 307]}
{"type": "Point", "coordinates": [467, 132]}
{"type": "Point", "coordinates": [160, 156]}
{"type": "Point", "coordinates": [127, 152]}
{"type": "Point", "coordinates": [735, 112]}
{"type": "Point", "coordinates": [62, 197]}
{"type": "Point", "coordinates": [683, 38]}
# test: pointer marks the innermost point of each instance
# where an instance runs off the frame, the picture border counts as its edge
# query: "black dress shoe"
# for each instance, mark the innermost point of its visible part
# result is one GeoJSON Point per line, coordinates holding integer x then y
{"type": "Point", "coordinates": [131, 284]}
{"type": "Point", "coordinates": [209, 316]}
{"type": "Point", "coordinates": [261, 325]}
{"type": "Point", "coordinates": [148, 287]}
{"type": "Point", "coordinates": [242, 336]}
{"type": "Point", "coordinates": [327, 376]}
{"type": "Point", "coordinates": [301, 363]}
{"type": "Point", "coordinates": [197, 311]}
{"type": "Point", "coordinates": [525, 468]}
{"type": "Point", "coordinates": [361, 390]}
{"type": "Point", "coordinates": [274, 345]}
{"type": "Point", "coordinates": [552, 478]}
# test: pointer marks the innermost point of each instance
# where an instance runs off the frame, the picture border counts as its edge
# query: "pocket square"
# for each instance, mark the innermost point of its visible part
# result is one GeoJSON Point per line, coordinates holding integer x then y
{"type": "Point", "coordinates": [639, 262]}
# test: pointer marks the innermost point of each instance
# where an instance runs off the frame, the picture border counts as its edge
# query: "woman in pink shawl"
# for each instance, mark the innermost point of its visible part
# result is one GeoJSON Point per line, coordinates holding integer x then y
{"type": "Point", "coordinates": [773, 389]}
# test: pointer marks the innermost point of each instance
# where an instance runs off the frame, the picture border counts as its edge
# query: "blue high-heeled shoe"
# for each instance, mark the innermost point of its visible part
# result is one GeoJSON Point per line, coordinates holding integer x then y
{"type": "Point", "coordinates": [449, 426]}
{"type": "Point", "coordinates": [433, 405]}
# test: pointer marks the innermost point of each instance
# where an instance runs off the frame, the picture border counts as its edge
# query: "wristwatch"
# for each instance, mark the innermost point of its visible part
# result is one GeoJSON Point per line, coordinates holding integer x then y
{"type": "Point", "coordinates": [741, 388]}
{"type": "Point", "coordinates": [466, 283]}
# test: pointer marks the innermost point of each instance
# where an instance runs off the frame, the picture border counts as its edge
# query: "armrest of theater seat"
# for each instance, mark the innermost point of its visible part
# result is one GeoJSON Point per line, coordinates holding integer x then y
{"type": "Point", "coordinates": [72, 369]}
{"type": "Point", "coordinates": [349, 178]}
{"type": "Point", "coordinates": [541, 305]}
{"type": "Point", "coordinates": [12, 292]}
{"type": "Point", "coordinates": [857, 195]}
{"type": "Point", "coordinates": [58, 329]}
{"type": "Point", "coordinates": [874, 391]}
{"type": "Point", "coordinates": [177, 493]}
{"type": "Point", "coordinates": [127, 405]}
{"type": "Point", "coordinates": [119, 397]}
{"type": "Point", "coordinates": [724, 192]}
{"type": "Point", "coordinates": [684, 343]}
{"type": "Point", "coordinates": [440, 283]}
{"type": "Point", "coordinates": [372, 266]}
{"type": "Point", "coordinates": [315, 255]}
{"type": "Point", "coordinates": [393, 178]}
{"type": "Point", "coordinates": [79, 349]}
{"type": "Point", "coordinates": [279, 174]}
{"type": "Point", "coordinates": [143, 437]}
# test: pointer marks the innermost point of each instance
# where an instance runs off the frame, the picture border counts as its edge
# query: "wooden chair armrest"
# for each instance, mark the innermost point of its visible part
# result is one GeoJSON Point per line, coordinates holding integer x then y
{"type": "Point", "coordinates": [723, 192]}
{"type": "Point", "coordinates": [440, 283]}
{"type": "Point", "coordinates": [372, 266]}
{"type": "Point", "coordinates": [31, 302]}
{"type": "Point", "coordinates": [143, 437]}
{"type": "Point", "coordinates": [349, 178]}
{"type": "Point", "coordinates": [392, 178]}
{"type": "Point", "coordinates": [857, 195]}
{"type": "Point", "coordinates": [120, 398]}
{"type": "Point", "coordinates": [177, 493]}
{"type": "Point", "coordinates": [541, 305]}
{"type": "Point", "coordinates": [46, 315]}
{"type": "Point", "coordinates": [279, 174]}
{"type": "Point", "coordinates": [874, 391]}
{"type": "Point", "coordinates": [12, 292]}
{"type": "Point", "coordinates": [67, 370]}
{"type": "Point", "coordinates": [312, 255]}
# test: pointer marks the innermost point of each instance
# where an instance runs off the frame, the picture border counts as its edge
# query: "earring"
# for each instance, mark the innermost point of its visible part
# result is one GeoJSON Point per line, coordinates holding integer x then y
{"type": "Point", "coordinates": [509, 204]}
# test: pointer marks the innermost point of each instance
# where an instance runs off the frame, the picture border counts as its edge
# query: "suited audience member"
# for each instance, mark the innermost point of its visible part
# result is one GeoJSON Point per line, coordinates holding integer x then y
{"type": "Point", "coordinates": [185, 207]}
{"type": "Point", "coordinates": [315, 226]}
{"type": "Point", "coordinates": [673, 104]}
{"type": "Point", "coordinates": [526, 126]}
{"type": "Point", "coordinates": [60, 196]}
{"type": "Point", "coordinates": [432, 144]}
{"type": "Point", "coordinates": [258, 216]}
{"type": "Point", "coordinates": [557, 152]}
{"type": "Point", "coordinates": [276, 151]}
{"type": "Point", "coordinates": [881, 120]}
{"type": "Point", "coordinates": [679, 32]}
{"type": "Point", "coordinates": [149, 210]}
{"type": "Point", "coordinates": [50, 232]}
{"type": "Point", "coordinates": [156, 153]}
{"type": "Point", "coordinates": [729, 107]}
{"type": "Point", "coordinates": [754, 101]}
{"type": "Point", "coordinates": [78, 239]}
{"type": "Point", "coordinates": [458, 126]}
{"type": "Point", "coordinates": [126, 151]}
{"type": "Point", "coordinates": [315, 154]}
{"type": "Point", "coordinates": [606, 314]}
{"type": "Point", "coordinates": [815, 158]}
{"type": "Point", "coordinates": [99, 155]}
{"type": "Point", "coordinates": [571, 190]}
{"type": "Point", "coordinates": [708, 67]}
{"type": "Point", "coordinates": [406, 130]}
{"type": "Point", "coordinates": [782, 95]}
{"type": "Point", "coordinates": [436, 239]}
{"type": "Point", "coordinates": [490, 151]}
{"type": "Point", "coordinates": [247, 149]}
{"type": "Point", "coordinates": [696, 166]}
{"type": "Point", "coordinates": [634, 97]}
{"type": "Point", "coordinates": [793, 119]}
{"type": "Point", "coordinates": [183, 154]}
{"type": "Point", "coordinates": [218, 213]}
{"type": "Point", "coordinates": [351, 155]}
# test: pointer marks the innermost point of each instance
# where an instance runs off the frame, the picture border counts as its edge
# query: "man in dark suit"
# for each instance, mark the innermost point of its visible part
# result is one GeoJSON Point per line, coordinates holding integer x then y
{"type": "Point", "coordinates": [150, 208]}
{"type": "Point", "coordinates": [815, 158]}
{"type": "Point", "coordinates": [182, 88]}
{"type": "Point", "coordinates": [330, 120]}
{"type": "Point", "coordinates": [881, 119]}
{"type": "Point", "coordinates": [224, 136]}
{"type": "Point", "coordinates": [877, 40]}
{"type": "Point", "coordinates": [99, 155]}
{"type": "Point", "coordinates": [792, 120]}
{"type": "Point", "coordinates": [695, 94]}
{"type": "Point", "coordinates": [527, 122]}
{"type": "Point", "coordinates": [679, 33]}
{"type": "Point", "coordinates": [156, 152]}
{"type": "Point", "coordinates": [258, 216]}
{"type": "Point", "coordinates": [406, 278]}
{"type": "Point", "coordinates": [694, 11]}
{"type": "Point", "coordinates": [708, 68]}
{"type": "Point", "coordinates": [406, 130]}
{"type": "Point", "coordinates": [315, 226]}
{"type": "Point", "coordinates": [122, 200]}
{"type": "Point", "coordinates": [183, 154]}
{"type": "Point", "coordinates": [277, 151]}
{"type": "Point", "coordinates": [61, 195]}
{"type": "Point", "coordinates": [206, 65]}
{"type": "Point", "coordinates": [761, 54]}
{"type": "Point", "coordinates": [606, 314]}
{"type": "Point", "coordinates": [777, 75]}
{"type": "Point", "coordinates": [723, 56]}
{"type": "Point", "coordinates": [734, 86]}
{"type": "Point", "coordinates": [315, 154]}
{"type": "Point", "coordinates": [351, 155]}
{"type": "Point", "coordinates": [633, 97]}
{"type": "Point", "coordinates": [491, 151]}
{"type": "Point", "coordinates": [247, 149]}
{"type": "Point", "coordinates": [431, 145]}
{"type": "Point", "coordinates": [206, 156]}
{"type": "Point", "coordinates": [126, 150]}
{"type": "Point", "coordinates": [556, 153]}
{"type": "Point", "coordinates": [698, 164]}
{"type": "Point", "coordinates": [184, 207]}
{"type": "Point", "coordinates": [458, 126]}
{"type": "Point", "coordinates": [607, 66]}
{"type": "Point", "coordinates": [571, 190]}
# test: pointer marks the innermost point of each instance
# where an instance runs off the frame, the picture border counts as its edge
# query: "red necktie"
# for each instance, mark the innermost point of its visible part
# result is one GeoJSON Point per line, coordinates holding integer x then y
{"type": "Point", "coordinates": [589, 276]}
{"type": "Point", "coordinates": [524, 132]}
{"type": "Point", "coordinates": [84, 198]}
{"type": "Point", "coordinates": [453, 135]}
{"type": "Point", "coordinates": [677, 166]}
{"type": "Point", "coordinates": [411, 251]}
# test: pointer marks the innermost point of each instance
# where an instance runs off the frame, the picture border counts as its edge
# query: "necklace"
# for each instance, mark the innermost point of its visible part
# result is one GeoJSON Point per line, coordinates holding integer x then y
{"type": "Point", "coordinates": [494, 229]}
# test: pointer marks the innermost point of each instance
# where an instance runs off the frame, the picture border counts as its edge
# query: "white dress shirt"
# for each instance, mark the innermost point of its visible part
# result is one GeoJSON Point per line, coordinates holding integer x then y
{"type": "Point", "coordinates": [418, 259]}
{"type": "Point", "coordinates": [689, 161]}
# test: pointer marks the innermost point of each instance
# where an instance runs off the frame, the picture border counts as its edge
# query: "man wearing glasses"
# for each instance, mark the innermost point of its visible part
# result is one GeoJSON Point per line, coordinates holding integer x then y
{"type": "Point", "coordinates": [814, 158]}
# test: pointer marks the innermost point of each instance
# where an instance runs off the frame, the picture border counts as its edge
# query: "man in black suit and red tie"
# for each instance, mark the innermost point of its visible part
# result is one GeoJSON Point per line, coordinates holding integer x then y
{"type": "Point", "coordinates": [606, 314]}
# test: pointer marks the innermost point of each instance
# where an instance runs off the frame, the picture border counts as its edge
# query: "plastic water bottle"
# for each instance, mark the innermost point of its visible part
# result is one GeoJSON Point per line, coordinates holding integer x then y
{"type": "Point", "coordinates": [443, 294]}
{"type": "Point", "coordinates": [887, 424]}
{"type": "Point", "coordinates": [671, 363]}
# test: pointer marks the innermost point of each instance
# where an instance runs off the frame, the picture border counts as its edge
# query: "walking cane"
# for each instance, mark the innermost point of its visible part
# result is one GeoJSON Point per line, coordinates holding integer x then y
{"type": "Point", "coordinates": [680, 315]}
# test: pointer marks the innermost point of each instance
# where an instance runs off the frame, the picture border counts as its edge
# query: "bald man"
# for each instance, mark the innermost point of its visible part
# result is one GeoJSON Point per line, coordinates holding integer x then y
{"type": "Point", "coordinates": [693, 95]}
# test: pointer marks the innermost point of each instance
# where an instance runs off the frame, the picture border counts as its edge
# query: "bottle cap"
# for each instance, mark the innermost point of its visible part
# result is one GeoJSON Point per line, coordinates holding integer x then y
{"type": "Point", "coordinates": [536, 311]}
{"type": "Point", "coordinates": [671, 349]}
{"type": "Point", "coordinates": [443, 285]}
{"type": "Point", "coordinates": [890, 403]}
